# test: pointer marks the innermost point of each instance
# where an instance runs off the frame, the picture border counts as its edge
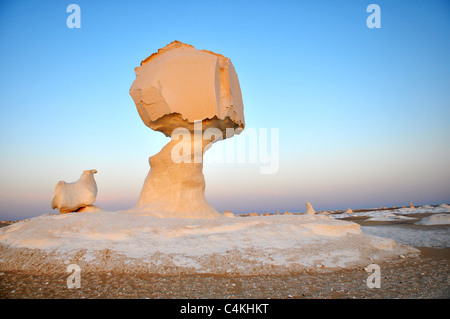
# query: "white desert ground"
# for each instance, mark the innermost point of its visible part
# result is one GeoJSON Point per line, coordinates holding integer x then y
{"type": "Point", "coordinates": [125, 254]}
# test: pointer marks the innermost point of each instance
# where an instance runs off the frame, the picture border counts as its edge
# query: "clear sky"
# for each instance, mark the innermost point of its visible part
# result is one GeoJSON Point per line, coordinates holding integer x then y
{"type": "Point", "coordinates": [363, 114]}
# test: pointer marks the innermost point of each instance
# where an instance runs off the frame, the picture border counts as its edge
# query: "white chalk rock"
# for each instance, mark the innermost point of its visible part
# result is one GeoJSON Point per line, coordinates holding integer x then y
{"type": "Point", "coordinates": [174, 189]}
{"type": "Point", "coordinates": [437, 219]}
{"type": "Point", "coordinates": [90, 209]}
{"type": "Point", "coordinates": [186, 85]}
{"type": "Point", "coordinates": [349, 211]}
{"type": "Point", "coordinates": [309, 209]}
{"type": "Point", "coordinates": [177, 88]}
{"type": "Point", "coordinates": [69, 197]}
{"type": "Point", "coordinates": [227, 213]}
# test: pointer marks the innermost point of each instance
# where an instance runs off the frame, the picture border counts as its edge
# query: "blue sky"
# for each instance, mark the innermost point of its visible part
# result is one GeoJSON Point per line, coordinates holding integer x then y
{"type": "Point", "coordinates": [362, 113]}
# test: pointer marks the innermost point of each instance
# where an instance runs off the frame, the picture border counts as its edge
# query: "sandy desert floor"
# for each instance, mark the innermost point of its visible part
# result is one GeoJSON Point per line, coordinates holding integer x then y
{"type": "Point", "coordinates": [426, 276]}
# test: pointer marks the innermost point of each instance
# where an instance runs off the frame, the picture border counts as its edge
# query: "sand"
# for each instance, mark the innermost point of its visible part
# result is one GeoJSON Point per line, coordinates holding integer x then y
{"type": "Point", "coordinates": [426, 276]}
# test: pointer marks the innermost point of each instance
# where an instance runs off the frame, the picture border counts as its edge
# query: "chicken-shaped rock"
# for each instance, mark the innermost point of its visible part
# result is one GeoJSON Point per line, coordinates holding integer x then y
{"type": "Point", "coordinates": [69, 197]}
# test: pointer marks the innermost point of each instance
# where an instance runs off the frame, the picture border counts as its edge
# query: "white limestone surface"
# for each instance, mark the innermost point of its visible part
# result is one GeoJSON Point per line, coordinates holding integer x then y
{"type": "Point", "coordinates": [121, 241]}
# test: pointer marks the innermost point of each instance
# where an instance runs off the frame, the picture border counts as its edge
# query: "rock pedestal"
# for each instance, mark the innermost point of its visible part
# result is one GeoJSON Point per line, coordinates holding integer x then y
{"type": "Point", "coordinates": [175, 189]}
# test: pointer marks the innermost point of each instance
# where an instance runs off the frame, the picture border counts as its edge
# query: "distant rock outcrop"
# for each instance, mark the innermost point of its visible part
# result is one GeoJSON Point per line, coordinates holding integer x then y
{"type": "Point", "coordinates": [227, 213]}
{"type": "Point", "coordinates": [309, 209]}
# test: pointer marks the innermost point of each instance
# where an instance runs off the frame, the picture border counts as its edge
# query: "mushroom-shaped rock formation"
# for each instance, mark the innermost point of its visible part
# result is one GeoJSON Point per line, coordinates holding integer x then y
{"type": "Point", "coordinates": [69, 197]}
{"type": "Point", "coordinates": [184, 93]}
